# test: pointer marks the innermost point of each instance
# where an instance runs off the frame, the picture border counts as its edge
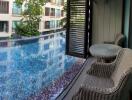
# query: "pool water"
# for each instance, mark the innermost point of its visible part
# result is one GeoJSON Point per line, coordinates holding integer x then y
{"type": "Point", "coordinates": [28, 67]}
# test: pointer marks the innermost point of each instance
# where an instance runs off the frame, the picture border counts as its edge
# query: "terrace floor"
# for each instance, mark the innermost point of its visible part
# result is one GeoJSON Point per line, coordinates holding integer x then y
{"type": "Point", "coordinates": [75, 84]}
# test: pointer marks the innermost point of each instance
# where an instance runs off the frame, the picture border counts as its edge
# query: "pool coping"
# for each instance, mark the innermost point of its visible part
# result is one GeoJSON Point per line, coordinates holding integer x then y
{"type": "Point", "coordinates": [29, 38]}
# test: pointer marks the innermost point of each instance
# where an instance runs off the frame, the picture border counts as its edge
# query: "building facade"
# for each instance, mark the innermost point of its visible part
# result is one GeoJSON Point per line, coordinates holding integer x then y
{"type": "Point", "coordinates": [11, 14]}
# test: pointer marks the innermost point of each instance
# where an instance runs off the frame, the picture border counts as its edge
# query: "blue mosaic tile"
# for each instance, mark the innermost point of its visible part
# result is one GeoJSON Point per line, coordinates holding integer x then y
{"type": "Point", "coordinates": [32, 67]}
{"type": "Point", "coordinates": [3, 56]}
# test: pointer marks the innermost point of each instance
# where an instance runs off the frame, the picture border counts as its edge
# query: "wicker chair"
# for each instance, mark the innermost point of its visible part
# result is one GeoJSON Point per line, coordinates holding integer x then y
{"type": "Point", "coordinates": [108, 81]}
{"type": "Point", "coordinates": [119, 38]}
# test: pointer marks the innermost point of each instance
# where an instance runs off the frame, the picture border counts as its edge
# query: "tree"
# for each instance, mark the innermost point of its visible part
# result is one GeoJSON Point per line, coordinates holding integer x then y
{"type": "Point", "coordinates": [64, 19]}
{"type": "Point", "coordinates": [31, 17]}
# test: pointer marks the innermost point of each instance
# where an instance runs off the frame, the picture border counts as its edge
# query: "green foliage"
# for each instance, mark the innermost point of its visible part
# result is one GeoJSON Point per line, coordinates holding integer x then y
{"type": "Point", "coordinates": [76, 17]}
{"type": "Point", "coordinates": [25, 29]}
{"type": "Point", "coordinates": [29, 24]}
{"type": "Point", "coordinates": [64, 20]}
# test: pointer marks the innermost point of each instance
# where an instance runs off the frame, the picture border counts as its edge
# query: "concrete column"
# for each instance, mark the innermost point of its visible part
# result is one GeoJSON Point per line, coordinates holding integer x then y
{"type": "Point", "coordinates": [10, 15]}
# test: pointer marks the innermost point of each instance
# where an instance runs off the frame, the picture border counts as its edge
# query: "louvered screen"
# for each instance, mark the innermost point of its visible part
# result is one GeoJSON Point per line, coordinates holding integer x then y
{"type": "Point", "coordinates": [78, 27]}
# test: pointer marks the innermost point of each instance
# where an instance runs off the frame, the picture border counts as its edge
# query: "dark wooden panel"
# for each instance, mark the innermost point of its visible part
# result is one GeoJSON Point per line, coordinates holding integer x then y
{"type": "Point", "coordinates": [79, 27]}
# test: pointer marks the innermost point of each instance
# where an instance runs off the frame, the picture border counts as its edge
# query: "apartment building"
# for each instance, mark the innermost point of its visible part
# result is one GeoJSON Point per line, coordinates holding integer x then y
{"type": "Point", "coordinates": [11, 14]}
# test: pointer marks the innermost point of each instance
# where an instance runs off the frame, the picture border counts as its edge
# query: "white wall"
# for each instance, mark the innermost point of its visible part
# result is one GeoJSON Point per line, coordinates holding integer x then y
{"type": "Point", "coordinates": [10, 18]}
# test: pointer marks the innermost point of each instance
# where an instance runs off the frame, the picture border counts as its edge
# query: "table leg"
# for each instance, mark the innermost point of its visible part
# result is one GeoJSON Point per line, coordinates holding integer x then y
{"type": "Point", "coordinates": [100, 60]}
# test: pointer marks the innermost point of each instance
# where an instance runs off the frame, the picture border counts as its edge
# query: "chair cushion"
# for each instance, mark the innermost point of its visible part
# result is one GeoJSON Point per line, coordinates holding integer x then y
{"type": "Point", "coordinates": [97, 82]}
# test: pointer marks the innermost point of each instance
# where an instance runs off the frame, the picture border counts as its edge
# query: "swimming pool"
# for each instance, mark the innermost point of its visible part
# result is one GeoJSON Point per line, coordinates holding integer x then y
{"type": "Point", "coordinates": [30, 67]}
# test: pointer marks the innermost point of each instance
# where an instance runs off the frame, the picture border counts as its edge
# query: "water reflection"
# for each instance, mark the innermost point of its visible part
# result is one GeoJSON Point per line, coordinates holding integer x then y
{"type": "Point", "coordinates": [29, 67]}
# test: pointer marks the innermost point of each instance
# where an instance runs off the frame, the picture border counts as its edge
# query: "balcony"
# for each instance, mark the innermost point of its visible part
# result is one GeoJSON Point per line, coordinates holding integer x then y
{"type": "Point", "coordinates": [40, 60]}
{"type": "Point", "coordinates": [108, 19]}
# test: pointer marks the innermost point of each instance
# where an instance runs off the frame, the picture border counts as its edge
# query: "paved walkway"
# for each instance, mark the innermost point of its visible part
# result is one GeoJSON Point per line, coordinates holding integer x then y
{"type": "Point", "coordinates": [74, 86]}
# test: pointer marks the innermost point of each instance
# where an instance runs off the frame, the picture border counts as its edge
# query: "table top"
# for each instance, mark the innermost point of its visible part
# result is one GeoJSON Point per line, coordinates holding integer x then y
{"type": "Point", "coordinates": [104, 50]}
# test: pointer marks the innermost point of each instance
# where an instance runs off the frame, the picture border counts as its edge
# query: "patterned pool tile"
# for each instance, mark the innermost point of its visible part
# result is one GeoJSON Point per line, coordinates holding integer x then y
{"type": "Point", "coordinates": [57, 87]}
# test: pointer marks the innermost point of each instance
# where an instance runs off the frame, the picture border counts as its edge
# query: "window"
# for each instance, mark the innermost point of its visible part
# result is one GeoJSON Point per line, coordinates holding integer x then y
{"type": "Point", "coordinates": [52, 24]}
{"type": "Point", "coordinates": [3, 26]}
{"type": "Point", "coordinates": [14, 25]}
{"type": "Point", "coordinates": [58, 13]}
{"type": "Point", "coordinates": [4, 7]}
{"type": "Point", "coordinates": [62, 2]}
{"type": "Point", "coordinates": [58, 23]}
{"type": "Point", "coordinates": [47, 24]}
{"type": "Point", "coordinates": [46, 37]}
{"type": "Point", "coordinates": [62, 13]}
{"type": "Point", "coordinates": [52, 12]}
{"type": "Point", "coordinates": [52, 1]}
{"type": "Point", "coordinates": [58, 2]}
{"type": "Point", "coordinates": [47, 11]}
{"type": "Point", "coordinates": [16, 10]}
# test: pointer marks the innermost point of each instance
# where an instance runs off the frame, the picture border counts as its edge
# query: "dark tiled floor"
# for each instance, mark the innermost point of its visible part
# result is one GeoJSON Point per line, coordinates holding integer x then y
{"type": "Point", "coordinates": [51, 91]}
{"type": "Point", "coordinates": [74, 86]}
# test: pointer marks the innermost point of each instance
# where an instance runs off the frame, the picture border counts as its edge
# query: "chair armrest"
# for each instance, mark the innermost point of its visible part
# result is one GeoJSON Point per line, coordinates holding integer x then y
{"type": "Point", "coordinates": [101, 69]}
{"type": "Point", "coordinates": [108, 42]}
{"type": "Point", "coordinates": [120, 41]}
{"type": "Point", "coordinates": [86, 91]}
